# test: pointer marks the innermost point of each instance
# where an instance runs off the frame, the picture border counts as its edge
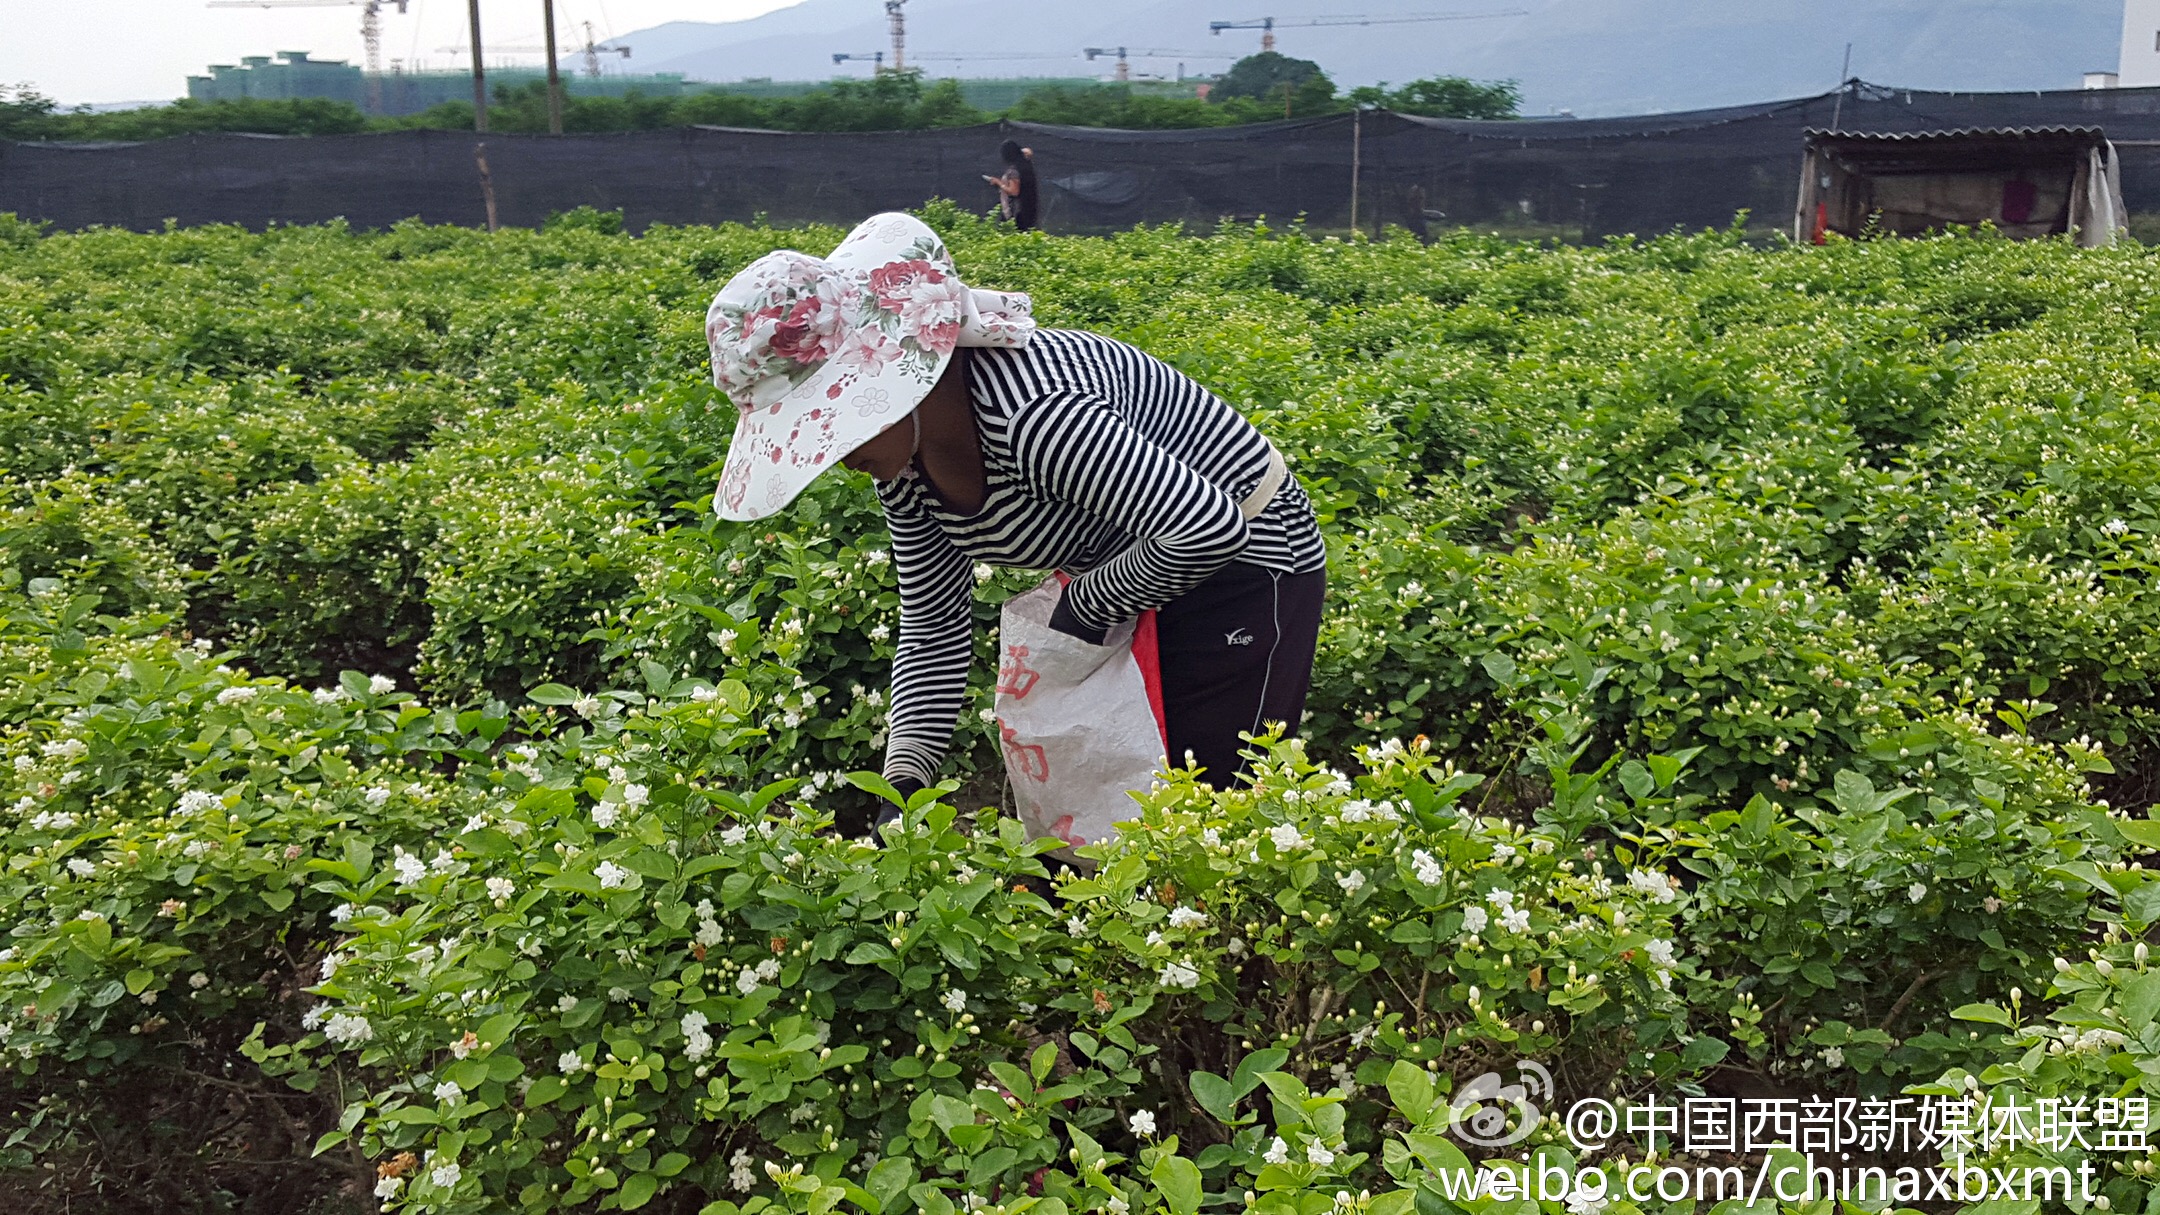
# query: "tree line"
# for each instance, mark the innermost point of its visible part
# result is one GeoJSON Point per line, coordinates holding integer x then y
{"type": "Point", "coordinates": [1257, 89]}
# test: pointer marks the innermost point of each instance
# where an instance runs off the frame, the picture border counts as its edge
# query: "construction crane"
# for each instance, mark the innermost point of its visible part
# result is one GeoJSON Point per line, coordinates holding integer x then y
{"type": "Point", "coordinates": [1266, 25]}
{"type": "Point", "coordinates": [370, 18]}
{"type": "Point", "coordinates": [1124, 67]}
{"type": "Point", "coordinates": [370, 30]}
{"type": "Point", "coordinates": [591, 51]}
{"type": "Point", "coordinates": [898, 21]}
{"type": "Point", "coordinates": [877, 58]}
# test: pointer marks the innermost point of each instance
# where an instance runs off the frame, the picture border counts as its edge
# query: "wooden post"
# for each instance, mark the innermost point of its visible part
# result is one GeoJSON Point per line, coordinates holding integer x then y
{"type": "Point", "coordinates": [487, 183]}
{"type": "Point", "coordinates": [554, 79]}
{"type": "Point", "coordinates": [479, 72]}
{"type": "Point", "coordinates": [1357, 149]}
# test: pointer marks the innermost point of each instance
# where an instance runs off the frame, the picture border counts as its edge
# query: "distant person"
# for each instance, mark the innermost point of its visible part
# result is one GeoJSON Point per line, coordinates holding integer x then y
{"type": "Point", "coordinates": [1016, 185]}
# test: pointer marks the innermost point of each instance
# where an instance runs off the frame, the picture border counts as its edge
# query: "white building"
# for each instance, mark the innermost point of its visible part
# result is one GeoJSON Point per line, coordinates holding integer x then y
{"type": "Point", "coordinates": [2140, 66]}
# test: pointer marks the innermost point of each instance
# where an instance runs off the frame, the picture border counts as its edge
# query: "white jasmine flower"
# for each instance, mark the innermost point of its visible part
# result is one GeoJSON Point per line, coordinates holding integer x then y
{"type": "Point", "coordinates": [1076, 926]}
{"type": "Point", "coordinates": [568, 1004]}
{"type": "Point", "coordinates": [1991, 904]}
{"type": "Point", "coordinates": [1351, 882]}
{"type": "Point", "coordinates": [2115, 527]}
{"type": "Point", "coordinates": [341, 913]}
{"type": "Point", "coordinates": [347, 1028]}
{"type": "Point", "coordinates": [448, 1091]}
{"type": "Point", "coordinates": [1425, 869]}
{"type": "Point", "coordinates": [233, 696]}
{"type": "Point", "coordinates": [767, 970]}
{"type": "Point", "coordinates": [1142, 1122]}
{"type": "Point", "coordinates": [500, 887]}
{"type": "Point", "coordinates": [1582, 1202]}
{"type": "Point", "coordinates": [1211, 837]}
{"type": "Point", "coordinates": [709, 933]}
{"type": "Point", "coordinates": [1286, 837]}
{"type": "Point", "coordinates": [1657, 886]}
{"type": "Point", "coordinates": [740, 1175]}
{"type": "Point", "coordinates": [195, 801]}
{"type": "Point", "coordinates": [1916, 892]}
{"type": "Point", "coordinates": [72, 748]}
{"type": "Point", "coordinates": [955, 1001]}
{"type": "Point", "coordinates": [746, 982]}
{"type": "Point", "coordinates": [618, 995]}
{"type": "Point", "coordinates": [80, 867]}
{"type": "Point", "coordinates": [704, 695]}
{"type": "Point", "coordinates": [570, 1063]}
{"type": "Point", "coordinates": [1278, 1152]}
{"type": "Point", "coordinates": [312, 1019]}
{"type": "Point", "coordinates": [1316, 1153]}
{"type": "Point", "coordinates": [1661, 952]}
{"type": "Point", "coordinates": [604, 814]}
{"type": "Point", "coordinates": [444, 861]}
{"type": "Point", "coordinates": [410, 868]}
{"type": "Point", "coordinates": [634, 796]}
{"type": "Point", "coordinates": [1179, 974]}
{"type": "Point", "coordinates": [387, 1187]}
{"type": "Point", "coordinates": [381, 685]}
{"type": "Point", "coordinates": [329, 696]}
{"type": "Point", "coordinates": [612, 876]}
{"type": "Point", "coordinates": [586, 706]}
{"type": "Point", "coordinates": [198, 980]}
{"type": "Point", "coordinates": [1186, 917]}
{"type": "Point", "coordinates": [1833, 1056]}
{"type": "Point", "coordinates": [1516, 919]}
{"type": "Point", "coordinates": [445, 1175]}
{"type": "Point", "coordinates": [1474, 919]}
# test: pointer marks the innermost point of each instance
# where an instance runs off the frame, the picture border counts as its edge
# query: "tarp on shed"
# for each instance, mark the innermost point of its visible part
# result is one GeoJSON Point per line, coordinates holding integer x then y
{"type": "Point", "coordinates": [2027, 181]}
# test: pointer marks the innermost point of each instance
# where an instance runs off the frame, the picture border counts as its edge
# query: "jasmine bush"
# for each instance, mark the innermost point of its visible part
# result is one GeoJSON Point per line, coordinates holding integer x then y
{"type": "Point", "coordinates": [1736, 672]}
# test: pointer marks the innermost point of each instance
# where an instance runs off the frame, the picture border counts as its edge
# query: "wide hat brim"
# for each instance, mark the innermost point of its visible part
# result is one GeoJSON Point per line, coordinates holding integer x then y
{"type": "Point", "coordinates": [882, 370]}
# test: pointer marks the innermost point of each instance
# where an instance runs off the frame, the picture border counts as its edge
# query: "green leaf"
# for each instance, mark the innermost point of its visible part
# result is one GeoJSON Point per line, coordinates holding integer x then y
{"type": "Point", "coordinates": [1178, 1181]}
{"type": "Point", "coordinates": [2143, 832]}
{"type": "Point", "coordinates": [636, 1191]}
{"type": "Point", "coordinates": [546, 1089]}
{"type": "Point", "coordinates": [1411, 1089]}
{"type": "Point", "coordinates": [1982, 1012]}
{"type": "Point", "coordinates": [2141, 1000]}
{"type": "Point", "coordinates": [1247, 1076]}
{"type": "Point", "coordinates": [1215, 1095]}
{"type": "Point", "coordinates": [278, 899]}
{"type": "Point", "coordinates": [552, 694]}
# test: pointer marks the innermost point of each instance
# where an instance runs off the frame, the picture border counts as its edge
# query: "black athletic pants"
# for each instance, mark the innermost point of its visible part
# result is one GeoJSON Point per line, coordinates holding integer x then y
{"type": "Point", "coordinates": [1237, 653]}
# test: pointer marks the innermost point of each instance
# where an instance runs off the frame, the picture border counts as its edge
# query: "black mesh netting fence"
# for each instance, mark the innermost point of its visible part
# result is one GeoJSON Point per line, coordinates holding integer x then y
{"type": "Point", "coordinates": [1591, 177]}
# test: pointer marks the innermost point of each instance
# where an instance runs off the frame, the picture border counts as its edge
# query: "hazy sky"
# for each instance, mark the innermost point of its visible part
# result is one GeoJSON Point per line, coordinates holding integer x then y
{"type": "Point", "coordinates": [140, 50]}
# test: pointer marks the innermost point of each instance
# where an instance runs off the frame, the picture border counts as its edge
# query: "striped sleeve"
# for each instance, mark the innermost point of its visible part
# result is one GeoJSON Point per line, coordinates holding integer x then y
{"type": "Point", "coordinates": [1073, 447]}
{"type": "Point", "coordinates": [930, 664]}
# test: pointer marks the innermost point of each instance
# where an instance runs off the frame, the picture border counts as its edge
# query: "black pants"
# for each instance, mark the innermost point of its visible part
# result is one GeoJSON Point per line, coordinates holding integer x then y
{"type": "Point", "coordinates": [1237, 653]}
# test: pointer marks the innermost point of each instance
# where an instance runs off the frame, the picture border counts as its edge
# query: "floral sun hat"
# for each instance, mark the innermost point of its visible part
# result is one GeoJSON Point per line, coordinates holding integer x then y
{"type": "Point", "coordinates": [821, 355]}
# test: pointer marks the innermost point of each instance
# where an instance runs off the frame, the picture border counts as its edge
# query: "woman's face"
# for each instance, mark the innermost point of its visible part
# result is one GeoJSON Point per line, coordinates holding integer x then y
{"type": "Point", "coordinates": [886, 456]}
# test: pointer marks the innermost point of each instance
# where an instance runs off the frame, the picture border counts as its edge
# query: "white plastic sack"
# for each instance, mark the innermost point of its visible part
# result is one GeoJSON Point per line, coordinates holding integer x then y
{"type": "Point", "coordinates": [1079, 732]}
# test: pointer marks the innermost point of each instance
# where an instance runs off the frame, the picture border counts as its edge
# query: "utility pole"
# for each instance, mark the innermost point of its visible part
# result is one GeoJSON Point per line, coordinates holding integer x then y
{"type": "Point", "coordinates": [479, 72]}
{"type": "Point", "coordinates": [547, 7]}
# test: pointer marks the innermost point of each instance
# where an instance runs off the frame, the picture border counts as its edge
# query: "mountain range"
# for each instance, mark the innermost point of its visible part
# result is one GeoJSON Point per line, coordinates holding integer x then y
{"type": "Point", "coordinates": [1588, 57]}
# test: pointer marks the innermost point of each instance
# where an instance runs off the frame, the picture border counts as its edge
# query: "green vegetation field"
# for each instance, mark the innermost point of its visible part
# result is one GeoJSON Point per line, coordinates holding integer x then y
{"type": "Point", "coordinates": [1738, 680]}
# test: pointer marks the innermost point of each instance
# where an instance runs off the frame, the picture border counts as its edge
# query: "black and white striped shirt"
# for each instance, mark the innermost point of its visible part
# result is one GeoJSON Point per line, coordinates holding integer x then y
{"type": "Point", "coordinates": [1102, 461]}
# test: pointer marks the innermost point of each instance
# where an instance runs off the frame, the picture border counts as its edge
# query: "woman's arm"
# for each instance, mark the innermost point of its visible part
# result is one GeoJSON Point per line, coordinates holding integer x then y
{"type": "Point", "coordinates": [1076, 449]}
{"type": "Point", "coordinates": [930, 665]}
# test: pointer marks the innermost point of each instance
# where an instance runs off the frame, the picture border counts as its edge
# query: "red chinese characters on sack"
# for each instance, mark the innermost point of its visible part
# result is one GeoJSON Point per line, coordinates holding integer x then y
{"type": "Point", "coordinates": [1063, 829]}
{"type": "Point", "coordinates": [1025, 758]}
{"type": "Point", "coordinates": [1015, 677]}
